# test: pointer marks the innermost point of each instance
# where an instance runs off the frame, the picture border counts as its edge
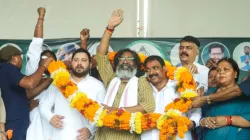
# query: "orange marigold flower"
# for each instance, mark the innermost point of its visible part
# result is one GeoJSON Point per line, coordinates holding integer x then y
{"type": "Point", "coordinates": [9, 133]}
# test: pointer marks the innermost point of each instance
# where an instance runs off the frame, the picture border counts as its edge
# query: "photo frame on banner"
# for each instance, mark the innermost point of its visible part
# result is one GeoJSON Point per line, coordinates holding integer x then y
{"type": "Point", "coordinates": [147, 48]}
{"type": "Point", "coordinates": [241, 55]}
{"type": "Point", "coordinates": [214, 50]}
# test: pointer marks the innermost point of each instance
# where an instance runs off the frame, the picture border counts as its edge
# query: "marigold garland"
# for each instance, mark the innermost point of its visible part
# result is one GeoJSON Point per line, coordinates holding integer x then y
{"type": "Point", "coordinates": [169, 124]}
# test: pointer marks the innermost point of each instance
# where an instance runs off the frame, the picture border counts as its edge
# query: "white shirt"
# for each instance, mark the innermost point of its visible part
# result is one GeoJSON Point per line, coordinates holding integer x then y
{"type": "Point", "coordinates": [201, 78]}
{"type": "Point", "coordinates": [37, 125]}
{"type": "Point", "coordinates": [73, 120]}
{"type": "Point", "coordinates": [33, 55]}
{"type": "Point", "coordinates": [162, 98]}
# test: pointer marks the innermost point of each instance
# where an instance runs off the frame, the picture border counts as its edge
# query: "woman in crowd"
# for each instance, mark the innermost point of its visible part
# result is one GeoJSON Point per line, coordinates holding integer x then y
{"type": "Point", "coordinates": [228, 120]}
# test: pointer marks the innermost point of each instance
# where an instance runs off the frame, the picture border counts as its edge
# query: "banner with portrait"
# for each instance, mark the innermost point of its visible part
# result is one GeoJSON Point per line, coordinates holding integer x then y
{"type": "Point", "coordinates": [167, 48]}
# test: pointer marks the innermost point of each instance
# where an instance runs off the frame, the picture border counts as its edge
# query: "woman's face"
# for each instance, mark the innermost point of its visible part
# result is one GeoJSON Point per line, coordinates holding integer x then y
{"type": "Point", "coordinates": [225, 73]}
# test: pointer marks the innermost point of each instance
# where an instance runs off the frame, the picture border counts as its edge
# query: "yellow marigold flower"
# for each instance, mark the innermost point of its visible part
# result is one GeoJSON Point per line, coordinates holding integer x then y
{"type": "Point", "coordinates": [188, 93]}
{"type": "Point", "coordinates": [173, 113]}
{"type": "Point", "coordinates": [138, 122]}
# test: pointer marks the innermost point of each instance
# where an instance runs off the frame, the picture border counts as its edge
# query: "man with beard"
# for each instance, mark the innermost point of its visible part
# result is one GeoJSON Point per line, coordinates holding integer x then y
{"type": "Point", "coordinates": [246, 58]}
{"type": "Point", "coordinates": [188, 51]}
{"type": "Point", "coordinates": [164, 91]}
{"type": "Point", "coordinates": [67, 122]}
{"type": "Point", "coordinates": [124, 89]}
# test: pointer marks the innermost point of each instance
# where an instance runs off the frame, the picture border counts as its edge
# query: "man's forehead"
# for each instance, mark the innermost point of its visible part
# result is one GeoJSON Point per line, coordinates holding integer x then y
{"type": "Point", "coordinates": [81, 55]}
{"type": "Point", "coordinates": [153, 63]}
{"type": "Point", "coordinates": [216, 49]}
{"type": "Point", "coordinates": [127, 54]}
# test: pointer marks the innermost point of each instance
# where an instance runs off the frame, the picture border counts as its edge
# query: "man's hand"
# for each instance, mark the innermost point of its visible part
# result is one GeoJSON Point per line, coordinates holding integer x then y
{"type": "Point", "coordinates": [84, 34]}
{"type": "Point", "coordinates": [41, 12]}
{"type": "Point", "coordinates": [56, 121]}
{"type": "Point", "coordinates": [109, 109]}
{"type": "Point", "coordinates": [33, 104]}
{"type": "Point", "coordinates": [84, 134]}
{"type": "Point", "coordinates": [211, 63]}
{"type": "Point", "coordinates": [45, 62]}
{"type": "Point", "coordinates": [192, 69]}
{"type": "Point", "coordinates": [116, 18]}
{"type": "Point", "coordinates": [198, 102]}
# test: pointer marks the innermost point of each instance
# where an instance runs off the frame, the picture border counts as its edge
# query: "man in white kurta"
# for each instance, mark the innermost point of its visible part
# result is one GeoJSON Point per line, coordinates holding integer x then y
{"type": "Point", "coordinates": [164, 91]}
{"type": "Point", "coordinates": [37, 124]}
{"type": "Point", "coordinates": [188, 51]}
{"type": "Point", "coordinates": [71, 120]}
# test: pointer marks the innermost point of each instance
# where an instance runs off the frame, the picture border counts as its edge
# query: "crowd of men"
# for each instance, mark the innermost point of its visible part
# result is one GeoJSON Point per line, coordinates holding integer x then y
{"type": "Point", "coordinates": [35, 109]}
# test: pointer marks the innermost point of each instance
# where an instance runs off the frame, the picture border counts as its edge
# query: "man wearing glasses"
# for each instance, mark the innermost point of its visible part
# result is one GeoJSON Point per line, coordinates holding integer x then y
{"type": "Point", "coordinates": [125, 88]}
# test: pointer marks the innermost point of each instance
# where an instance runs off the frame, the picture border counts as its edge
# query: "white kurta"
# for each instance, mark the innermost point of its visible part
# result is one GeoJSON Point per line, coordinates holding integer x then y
{"type": "Point", "coordinates": [162, 98]}
{"type": "Point", "coordinates": [37, 124]}
{"type": "Point", "coordinates": [73, 120]}
{"type": "Point", "coordinates": [201, 78]}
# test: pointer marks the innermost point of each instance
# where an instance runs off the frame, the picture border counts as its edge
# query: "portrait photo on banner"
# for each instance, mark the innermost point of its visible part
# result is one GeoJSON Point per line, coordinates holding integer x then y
{"type": "Point", "coordinates": [215, 51]}
{"type": "Point", "coordinates": [241, 55]}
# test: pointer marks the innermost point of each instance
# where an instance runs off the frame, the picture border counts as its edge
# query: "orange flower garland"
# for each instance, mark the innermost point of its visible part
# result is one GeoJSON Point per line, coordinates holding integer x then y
{"type": "Point", "coordinates": [169, 124]}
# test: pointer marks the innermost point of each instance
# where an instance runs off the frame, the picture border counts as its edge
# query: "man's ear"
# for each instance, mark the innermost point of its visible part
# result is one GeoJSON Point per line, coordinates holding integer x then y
{"type": "Point", "coordinates": [90, 65]}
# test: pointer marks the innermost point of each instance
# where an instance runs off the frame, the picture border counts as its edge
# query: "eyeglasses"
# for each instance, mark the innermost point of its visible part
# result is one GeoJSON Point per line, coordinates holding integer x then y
{"type": "Point", "coordinates": [126, 58]}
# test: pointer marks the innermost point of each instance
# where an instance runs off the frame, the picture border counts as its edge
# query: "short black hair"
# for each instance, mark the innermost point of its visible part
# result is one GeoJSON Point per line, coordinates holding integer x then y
{"type": "Point", "coordinates": [81, 50]}
{"type": "Point", "coordinates": [233, 64]}
{"type": "Point", "coordinates": [136, 60]}
{"type": "Point", "coordinates": [49, 52]}
{"type": "Point", "coordinates": [216, 46]}
{"type": "Point", "coordinates": [191, 39]}
{"type": "Point", "coordinates": [246, 47]}
{"type": "Point", "coordinates": [152, 58]}
{"type": "Point", "coordinates": [210, 70]}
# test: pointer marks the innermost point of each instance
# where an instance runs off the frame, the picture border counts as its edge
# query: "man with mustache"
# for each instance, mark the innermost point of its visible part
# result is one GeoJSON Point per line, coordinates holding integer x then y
{"type": "Point", "coordinates": [188, 51]}
{"type": "Point", "coordinates": [164, 91]}
{"type": "Point", "coordinates": [67, 122]}
{"type": "Point", "coordinates": [125, 89]}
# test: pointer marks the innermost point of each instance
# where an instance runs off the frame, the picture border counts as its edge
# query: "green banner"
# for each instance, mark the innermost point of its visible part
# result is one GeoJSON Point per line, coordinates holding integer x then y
{"type": "Point", "coordinates": [167, 48]}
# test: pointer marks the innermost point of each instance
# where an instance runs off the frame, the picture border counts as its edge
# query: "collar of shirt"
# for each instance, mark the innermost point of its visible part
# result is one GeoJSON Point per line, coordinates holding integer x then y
{"type": "Point", "coordinates": [84, 79]}
{"type": "Point", "coordinates": [170, 83]}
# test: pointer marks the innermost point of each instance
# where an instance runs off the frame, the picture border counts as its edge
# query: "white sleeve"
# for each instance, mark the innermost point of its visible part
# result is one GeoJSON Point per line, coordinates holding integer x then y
{"type": "Point", "coordinates": [195, 115]}
{"type": "Point", "coordinates": [203, 78]}
{"type": "Point", "coordinates": [47, 103]}
{"type": "Point", "coordinates": [33, 55]}
{"type": "Point", "coordinates": [101, 94]}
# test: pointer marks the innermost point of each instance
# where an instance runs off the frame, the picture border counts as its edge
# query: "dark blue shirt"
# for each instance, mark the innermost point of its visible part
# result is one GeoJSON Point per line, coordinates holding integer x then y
{"type": "Point", "coordinates": [245, 86]}
{"type": "Point", "coordinates": [14, 96]}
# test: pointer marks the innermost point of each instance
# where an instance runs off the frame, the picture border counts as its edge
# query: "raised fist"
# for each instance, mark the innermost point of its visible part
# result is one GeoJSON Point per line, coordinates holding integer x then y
{"type": "Point", "coordinates": [84, 34]}
{"type": "Point", "coordinates": [116, 18]}
{"type": "Point", "coordinates": [41, 12]}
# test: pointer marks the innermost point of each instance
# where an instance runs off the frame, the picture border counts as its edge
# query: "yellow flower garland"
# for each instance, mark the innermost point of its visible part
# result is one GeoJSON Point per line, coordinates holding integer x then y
{"type": "Point", "coordinates": [122, 120]}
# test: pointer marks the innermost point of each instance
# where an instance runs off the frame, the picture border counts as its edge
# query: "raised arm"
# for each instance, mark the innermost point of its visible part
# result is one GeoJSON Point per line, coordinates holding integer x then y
{"type": "Point", "coordinates": [29, 82]}
{"type": "Point", "coordinates": [35, 48]}
{"type": "Point", "coordinates": [114, 21]}
{"type": "Point", "coordinates": [44, 84]}
{"type": "Point", "coordinates": [39, 25]}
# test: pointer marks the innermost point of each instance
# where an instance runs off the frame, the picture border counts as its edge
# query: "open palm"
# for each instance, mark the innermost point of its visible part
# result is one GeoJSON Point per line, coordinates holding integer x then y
{"type": "Point", "coordinates": [116, 18]}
